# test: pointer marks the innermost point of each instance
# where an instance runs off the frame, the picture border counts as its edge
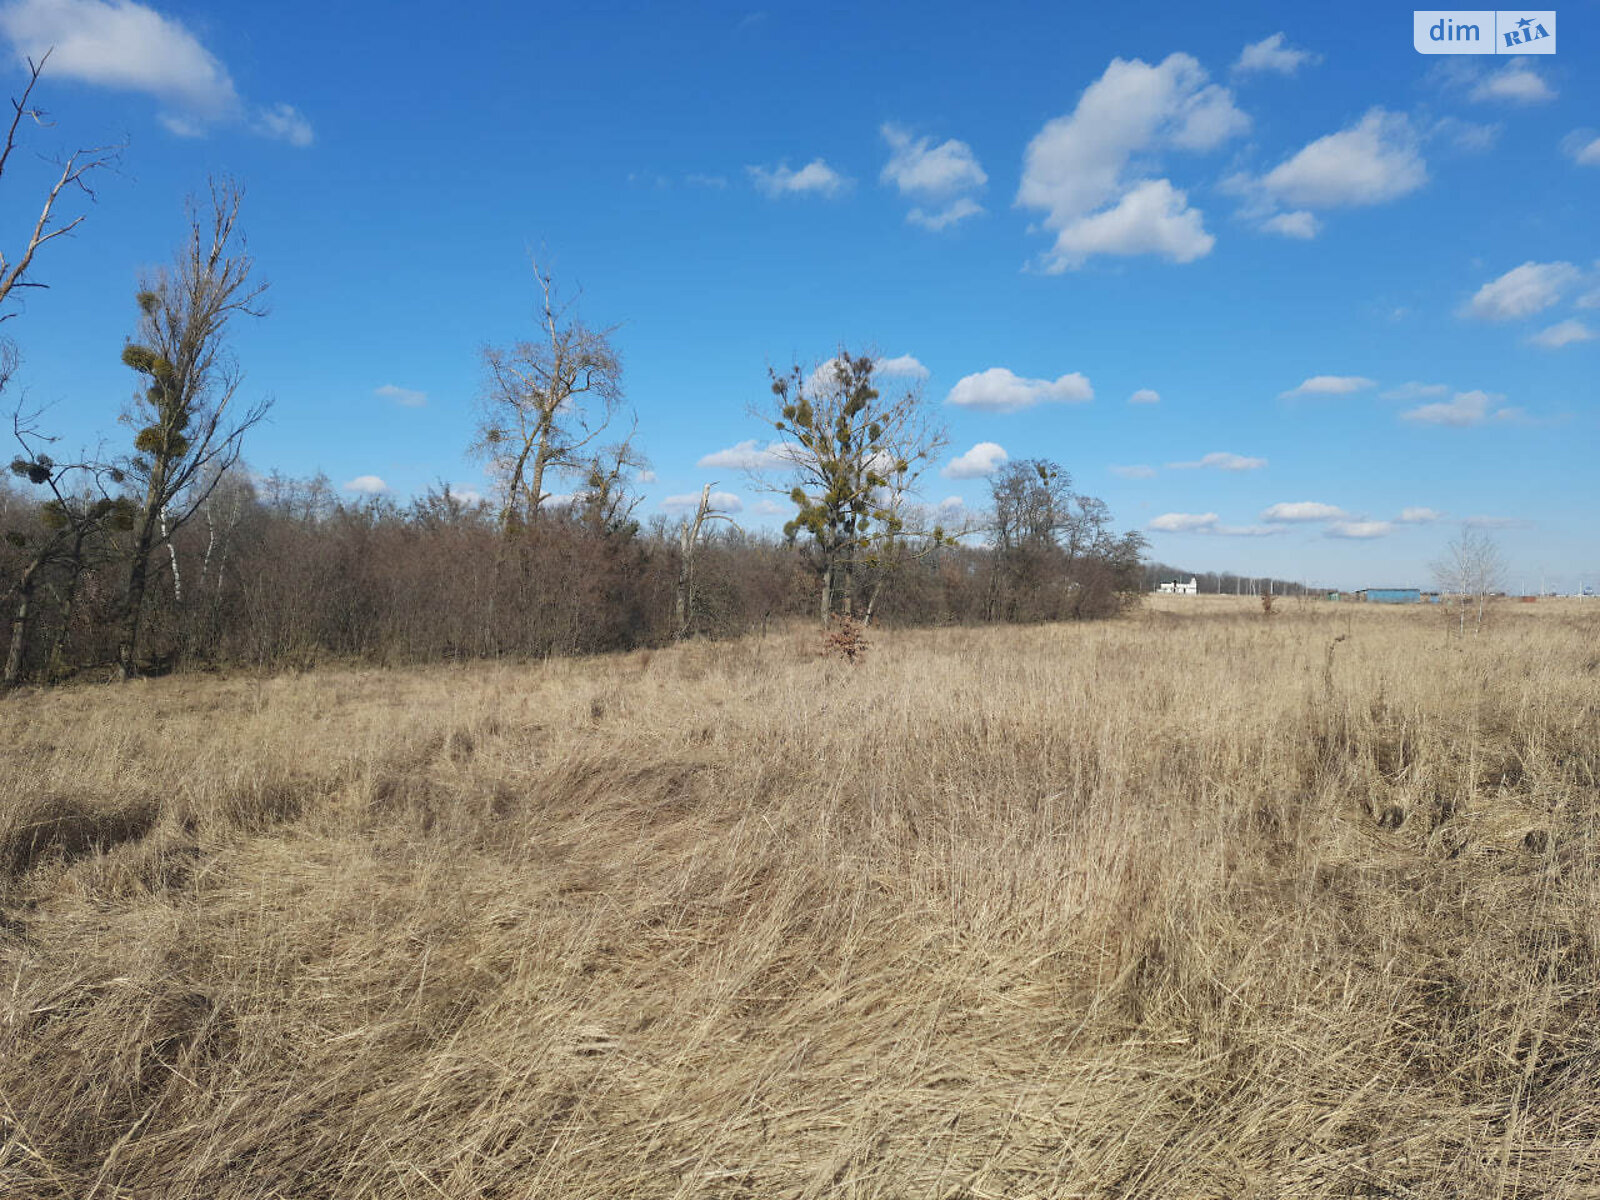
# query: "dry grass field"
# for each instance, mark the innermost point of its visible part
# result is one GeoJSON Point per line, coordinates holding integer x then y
{"type": "Point", "coordinates": [1190, 904]}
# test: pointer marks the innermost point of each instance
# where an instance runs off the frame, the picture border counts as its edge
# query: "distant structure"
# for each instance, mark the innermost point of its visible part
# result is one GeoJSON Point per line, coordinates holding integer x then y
{"type": "Point", "coordinates": [1390, 595]}
{"type": "Point", "coordinates": [1178, 588]}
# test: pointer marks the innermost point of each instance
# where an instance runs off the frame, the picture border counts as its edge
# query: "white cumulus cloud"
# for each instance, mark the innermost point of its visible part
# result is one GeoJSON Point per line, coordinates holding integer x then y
{"type": "Point", "coordinates": [983, 459]}
{"type": "Point", "coordinates": [367, 485]}
{"type": "Point", "coordinates": [1145, 396]}
{"type": "Point", "coordinates": [1272, 54]}
{"type": "Point", "coordinates": [903, 366]}
{"type": "Point", "coordinates": [1303, 510]}
{"type": "Point", "coordinates": [942, 178]}
{"type": "Point", "coordinates": [1358, 529]}
{"type": "Point", "coordinates": [1373, 161]}
{"type": "Point", "coordinates": [1418, 516]}
{"type": "Point", "coordinates": [1183, 522]}
{"type": "Point", "coordinates": [1523, 291]}
{"type": "Point", "coordinates": [1327, 385]}
{"type": "Point", "coordinates": [130, 47]}
{"type": "Point", "coordinates": [1000, 390]}
{"type": "Point", "coordinates": [816, 178]}
{"type": "Point", "coordinates": [1078, 167]}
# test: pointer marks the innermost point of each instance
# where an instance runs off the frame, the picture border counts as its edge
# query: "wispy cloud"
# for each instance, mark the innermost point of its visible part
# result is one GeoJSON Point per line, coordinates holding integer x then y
{"type": "Point", "coordinates": [1563, 333]}
{"type": "Point", "coordinates": [1328, 385]}
{"type": "Point", "coordinates": [1358, 530]}
{"type": "Point", "coordinates": [1000, 390]}
{"type": "Point", "coordinates": [1465, 408]}
{"type": "Point", "coordinates": [750, 456]}
{"type": "Point", "coordinates": [1418, 516]}
{"type": "Point", "coordinates": [1583, 147]}
{"type": "Point", "coordinates": [690, 501]}
{"type": "Point", "coordinates": [1221, 460]}
{"type": "Point", "coordinates": [406, 397]}
{"type": "Point", "coordinates": [1414, 391]}
{"type": "Point", "coordinates": [816, 178]}
{"type": "Point", "coordinates": [1139, 471]}
{"type": "Point", "coordinates": [1145, 396]}
{"type": "Point", "coordinates": [1517, 82]}
{"type": "Point", "coordinates": [1298, 224]}
{"type": "Point", "coordinates": [943, 177]}
{"type": "Point", "coordinates": [1523, 291]}
{"type": "Point", "coordinates": [1272, 54]}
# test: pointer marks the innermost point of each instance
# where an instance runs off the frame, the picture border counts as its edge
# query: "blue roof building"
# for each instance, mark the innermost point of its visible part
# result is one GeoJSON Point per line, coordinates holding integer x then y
{"type": "Point", "coordinates": [1391, 595]}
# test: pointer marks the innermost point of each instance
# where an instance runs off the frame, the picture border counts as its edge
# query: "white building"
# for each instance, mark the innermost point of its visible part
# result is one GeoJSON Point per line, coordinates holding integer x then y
{"type": "Point", "coordinates": [1178, 588]}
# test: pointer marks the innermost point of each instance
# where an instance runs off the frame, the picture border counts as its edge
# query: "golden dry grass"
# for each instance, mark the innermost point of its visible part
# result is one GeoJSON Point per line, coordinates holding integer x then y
{"type": "Point", "coordinates": [1194, 904]}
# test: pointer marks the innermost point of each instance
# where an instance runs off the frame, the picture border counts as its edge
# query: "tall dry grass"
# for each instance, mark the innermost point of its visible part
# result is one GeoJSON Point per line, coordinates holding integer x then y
{"type": "Point", "coordinates": [1199, 903]}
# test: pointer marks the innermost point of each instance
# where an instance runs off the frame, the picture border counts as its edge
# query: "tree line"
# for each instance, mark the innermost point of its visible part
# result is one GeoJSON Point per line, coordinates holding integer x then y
{"type": "Point", "coordinates": [170, 552]}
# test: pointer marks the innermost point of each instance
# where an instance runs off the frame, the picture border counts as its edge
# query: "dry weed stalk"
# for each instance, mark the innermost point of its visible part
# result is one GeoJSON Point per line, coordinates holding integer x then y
{"type": "Point", "coordinates": [1140, 909]}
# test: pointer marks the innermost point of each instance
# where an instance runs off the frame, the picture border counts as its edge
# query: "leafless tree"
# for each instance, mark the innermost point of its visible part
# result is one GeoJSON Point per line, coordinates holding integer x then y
{"type": "Point", "coordinates": [190, 430]}
{"type": "Point", "coordinates": [72, 177]}
{"type": "Point", "coordinates": [79, 512]}
{"type": "Point", "coordinates": [1470, 571]}
{"type": "Point", "coordinates": [688, 551]}
{"type": "Point", "coordinates": [545, 400]}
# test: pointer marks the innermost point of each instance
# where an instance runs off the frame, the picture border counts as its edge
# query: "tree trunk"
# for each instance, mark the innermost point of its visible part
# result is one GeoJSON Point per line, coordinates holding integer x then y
{"type": "Point", "coordinates": [19, 624]}
{"type": "Point", "coordinates": [133, 599]}
{"type": "Point", "coordinates": [58, 647]}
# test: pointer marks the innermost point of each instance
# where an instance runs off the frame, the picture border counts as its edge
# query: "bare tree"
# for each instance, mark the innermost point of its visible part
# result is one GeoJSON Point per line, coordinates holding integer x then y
{"type": "Point", "coordinates": [189, 428]}
{"type": "Point", "coordinates": [544, 401]}
{"type": "Point", "coordinates": [1470, 572]}
{"type": "Point", "coordinates": [688, 551]}
{"type": "Point", "coordinates": [80, 511]}
{"type": "Point", "coordinates": [78, 164]}
{"type": "Point", "coordinates": [854, 455]}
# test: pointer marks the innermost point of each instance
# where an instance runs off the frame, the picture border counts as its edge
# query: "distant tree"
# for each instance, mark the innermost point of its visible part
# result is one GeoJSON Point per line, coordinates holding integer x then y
{"type": "Point", "coordinates": [189, 430]}
{"type": "Point", "coordinates": [544, 401]}
{"type": "Point", "coordinates": [688, 552]}
{"type": "Point", "coordinates": [1053, 551]}
{"type": "Point", "coordinates": [1469, 572]}
{"type": "Point", "coordinates": [853, 454]}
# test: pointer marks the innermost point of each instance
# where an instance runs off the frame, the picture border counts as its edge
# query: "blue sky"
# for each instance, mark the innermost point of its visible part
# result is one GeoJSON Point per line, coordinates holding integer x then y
{"type": "Point", "coordinates": [1363, 284]}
